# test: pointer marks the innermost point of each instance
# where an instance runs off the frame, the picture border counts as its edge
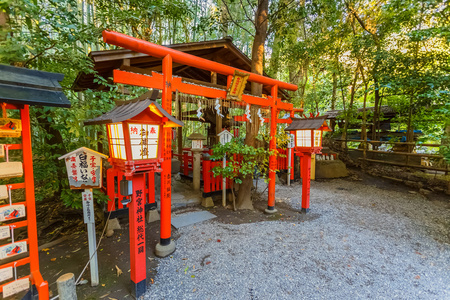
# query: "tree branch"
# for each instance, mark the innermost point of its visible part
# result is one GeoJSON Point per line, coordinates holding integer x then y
{"type": "Point", "coordinates": [39, 54]}
{"type": "Point", "coordinates": [245, 12]}
{"type": "Point", "coordinates": [232, 20]}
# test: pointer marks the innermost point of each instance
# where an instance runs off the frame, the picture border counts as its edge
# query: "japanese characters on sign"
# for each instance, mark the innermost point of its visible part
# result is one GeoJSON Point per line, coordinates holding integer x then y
{"type": "Point", "coordinates": [6, 273]}
{"type": "Point", "coordinates": [237, 86]}
{"type": "Point", "coordinates": [140, 229]}
{"type": "Point", "coordinates": [84, 170]}
{"type": "Point", "coordinates": [88, 207]}
{"type": "Point", "coordinates": [291, 143]}
{"type": "Point", "coordinates": [16, 286]}
{"type": "Point", "coordinates": [144, 141]}
{"type": "Point", "coordinates": [225, 137]}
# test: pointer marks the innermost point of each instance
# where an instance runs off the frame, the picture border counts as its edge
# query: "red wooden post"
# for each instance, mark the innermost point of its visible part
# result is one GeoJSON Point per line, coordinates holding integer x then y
{"type": "Point", "coordinates": [206, 176]}
{"type": "Point", "coordinates": [273, 147]}
{"type": "Point", "coordinates": [136, 210]}
{"type": "Point", "coordinates": [186, 163]}
{"type": "Point", "coordinates": [292, 164]}
{"type": "Point", "coordinates": [306, 180]}
{"type": "Point", "coordinates": [110, 188]}
{"type": "Point", "coordinates": [151, 187]}
{"type": "Point", "coordinates": [166, 246]}
{"type": "Point", "coordinates": [41, 285]}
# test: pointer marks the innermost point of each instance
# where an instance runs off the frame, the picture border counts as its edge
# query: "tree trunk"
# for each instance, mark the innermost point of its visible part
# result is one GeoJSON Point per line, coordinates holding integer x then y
{"type": "Point", "coordinates": [244, 200]}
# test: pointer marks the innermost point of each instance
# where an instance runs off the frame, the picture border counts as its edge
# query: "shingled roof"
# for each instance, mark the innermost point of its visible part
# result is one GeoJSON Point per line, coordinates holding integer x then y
{"type": "Point", "coordinates": [222, 51]}
{"type": "Point", "coordinates": [308, 124]}
{"type": "Point", "coordinates": [130, 109]}
{"type": "Point", "coordinates": [31, 87]}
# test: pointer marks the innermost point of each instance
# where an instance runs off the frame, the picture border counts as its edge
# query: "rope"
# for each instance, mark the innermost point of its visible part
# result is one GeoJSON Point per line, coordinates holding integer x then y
{"type": "Point", "coordinates": [98, 245]}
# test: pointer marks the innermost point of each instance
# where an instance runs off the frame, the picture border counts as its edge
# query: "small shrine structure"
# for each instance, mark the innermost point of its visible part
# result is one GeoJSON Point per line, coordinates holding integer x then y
{"type": "Point", "coordinates": [20, 88]}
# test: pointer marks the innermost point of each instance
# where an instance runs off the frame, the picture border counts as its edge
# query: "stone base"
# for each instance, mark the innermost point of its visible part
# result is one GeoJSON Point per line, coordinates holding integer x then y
{"type": "Point", "coordinates": [113, 224]}
{"type": "Point", "coordinates": [305, 210]}
{"type": "Point", "coordinates": [207, 202]}
{"type": "Point", "coordinates": [270, 211]}
{"type": "Point", "coordinates": [164, 251]}
{"type": "Point", "coordinates": [152, 216]}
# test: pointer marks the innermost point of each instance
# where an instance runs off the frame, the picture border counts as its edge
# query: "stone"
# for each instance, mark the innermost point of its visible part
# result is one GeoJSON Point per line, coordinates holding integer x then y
{"type": "Point", "coordinates": [424, 192]}
{"type": "Point", "coordinates": [152, 216]}
{"type": "Point", "coordinates": [109, 233]}
{"type": "Point", "coordinates": [166, 250]}
{"type": "Point", "coordinates": [270, 211]}
{"type": "Point", "coordinates": [207, 202]}
{"type": "Point", "coordinates": [176, 164]}
{"type": "Point", "coordinates": [330, 169]}
{"type": "Point", "coordinates": [113, 224]}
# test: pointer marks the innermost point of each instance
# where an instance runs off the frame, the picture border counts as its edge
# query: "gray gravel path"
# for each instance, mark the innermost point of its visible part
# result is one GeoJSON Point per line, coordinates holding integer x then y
{"type": "Point", "coordinates": [361, 242]}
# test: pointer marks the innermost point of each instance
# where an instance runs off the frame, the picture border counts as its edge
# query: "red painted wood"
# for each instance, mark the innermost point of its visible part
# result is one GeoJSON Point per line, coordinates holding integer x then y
{"type": "Point", "coordinates": [206, 176]}
{"type": "Point", "coordinates": [41, 285]}
{"type": "Point", "coordinates": [142, 46]}
{"type": "Point", "coordinates": [151, 187]}
{"type": "Point", "coordinates": [306, 179]}
{"type": "Point", "coordinates": [272, 146]}
{"type": "Point", "coordinates": [166, 165]}
{"type": "Point", "coordinates": [136, 212]}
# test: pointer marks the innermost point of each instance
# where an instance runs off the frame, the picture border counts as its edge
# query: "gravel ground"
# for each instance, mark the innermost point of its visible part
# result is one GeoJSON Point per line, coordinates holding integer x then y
{"type": "Point", "coordinates": [358, 242]}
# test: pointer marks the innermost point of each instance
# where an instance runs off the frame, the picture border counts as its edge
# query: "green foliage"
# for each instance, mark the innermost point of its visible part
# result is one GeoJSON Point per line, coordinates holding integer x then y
{"type": "Point", "coordinates": [242, 160]}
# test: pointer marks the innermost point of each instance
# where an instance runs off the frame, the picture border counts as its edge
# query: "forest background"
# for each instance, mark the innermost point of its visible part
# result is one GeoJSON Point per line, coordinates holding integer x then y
{"type": "Point", "coordinates": [342, 54]}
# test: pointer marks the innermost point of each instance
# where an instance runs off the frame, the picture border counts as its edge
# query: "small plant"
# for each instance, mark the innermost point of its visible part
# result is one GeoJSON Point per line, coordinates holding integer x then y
{"type": "Point", "coordinates": [242, 160]}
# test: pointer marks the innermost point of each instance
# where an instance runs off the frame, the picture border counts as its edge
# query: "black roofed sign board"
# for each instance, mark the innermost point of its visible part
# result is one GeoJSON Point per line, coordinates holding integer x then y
{"type": "Point", "coordinates": [31, 87]}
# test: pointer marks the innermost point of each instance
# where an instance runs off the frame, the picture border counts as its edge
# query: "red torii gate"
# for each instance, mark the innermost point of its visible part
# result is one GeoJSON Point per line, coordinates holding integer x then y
{"type": "Point", "coordinates": [167, 83]}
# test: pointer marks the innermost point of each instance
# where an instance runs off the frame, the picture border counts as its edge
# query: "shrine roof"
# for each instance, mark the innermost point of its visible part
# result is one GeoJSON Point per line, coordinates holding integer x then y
{"type": "Point", "coordinates": [222, 51]}
{"type": "Point", "coordinates": [307, 124]}
{"type": "Point", "coordinates": [31, 87]}
{"type": "Point", "coordinates": [129, 109]}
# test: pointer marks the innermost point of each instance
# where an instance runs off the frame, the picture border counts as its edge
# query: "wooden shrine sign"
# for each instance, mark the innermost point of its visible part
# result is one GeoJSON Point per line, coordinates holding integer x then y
{"type": "Point", "coordinates": [237, 86]}
{"type": "Point", "coordinates": [84, 168]}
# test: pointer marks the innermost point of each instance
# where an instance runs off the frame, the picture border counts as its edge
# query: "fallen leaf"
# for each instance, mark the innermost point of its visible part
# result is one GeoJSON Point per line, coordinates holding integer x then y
{"type": "Point", "coordinates": [112, 298]}
{"type": "Point", "coordinates": [101, 297]}
{"type": "Point", "coordinates": [218, 241]}
{"type": "Point", "coordinates": [194, 290]}
{"type": "Point", "coordinates": [193, 276]}
{"type": "Point", "coordinates": [53, 259]}
{"type": "Point", "coordinates": [152, 281]}
{"type": "Point", "coordinates": [417, 277]}
{"type": "Point", "coordinates": [45, 249]}
{"type": "Point", "coordinates": [119, 271]}
{"type": "Point", "coordinates": [208, 262]}
{"type": "Point", "coordinates": [417, 252]}
{"type": "Point", "coordinates": [104, 285]}
{"type": "Point", "coordinates": [185, 270]}
{"type": "Point", "coordinates": [76, 250]}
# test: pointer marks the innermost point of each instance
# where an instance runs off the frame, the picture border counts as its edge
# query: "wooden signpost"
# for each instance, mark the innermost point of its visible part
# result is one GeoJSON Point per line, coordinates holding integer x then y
{"type": "Point", "coordinates": [224, 137]}
{"type": "Point", "coordinates": [84, 169]}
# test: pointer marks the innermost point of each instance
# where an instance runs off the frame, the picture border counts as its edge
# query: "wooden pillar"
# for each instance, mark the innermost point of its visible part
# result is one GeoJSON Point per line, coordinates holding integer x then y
{"type": "Point", "coordinates": [218, 118]}
{"type": "Point", "coordinates": [180, 132]}
{"type": "Point", "coordinates": [136, 212]}
{"type": "Point", "coordinates": [272, 147]}
{"type": "Point", "coordinates": [41, 285]}
{"type": "Point", "coordinates": [166, 246]}
{"type": "Point", "coordinates": [306, 177]}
